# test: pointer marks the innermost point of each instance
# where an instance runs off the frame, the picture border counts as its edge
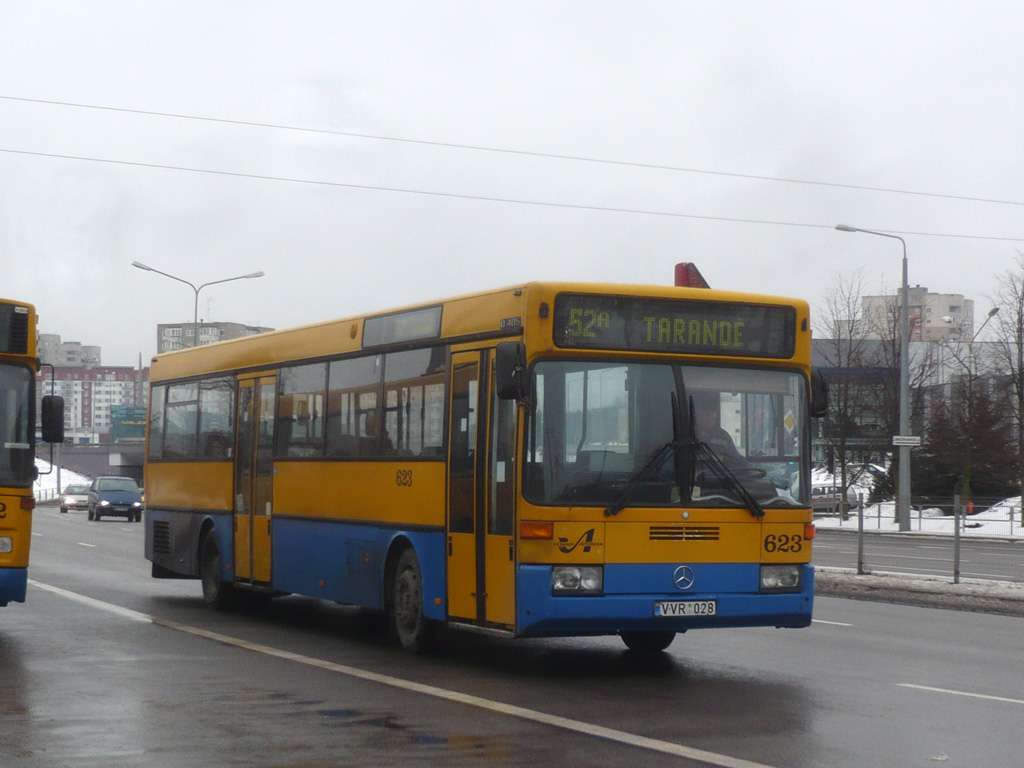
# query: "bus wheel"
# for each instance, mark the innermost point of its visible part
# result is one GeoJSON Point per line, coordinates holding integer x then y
{"type": "Point", "coordinates": [216, 591]}
{"type": "Point", "coordinates": [648, 642]}
{"type": "Point", "coordinates": [409, 626]}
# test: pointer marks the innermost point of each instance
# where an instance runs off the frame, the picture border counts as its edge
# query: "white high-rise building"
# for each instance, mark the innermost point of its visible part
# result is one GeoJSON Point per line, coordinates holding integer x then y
{"type": "Point", "coordinates": [933, 316]}
{"type": "Point", "coordinates": [171, 336]}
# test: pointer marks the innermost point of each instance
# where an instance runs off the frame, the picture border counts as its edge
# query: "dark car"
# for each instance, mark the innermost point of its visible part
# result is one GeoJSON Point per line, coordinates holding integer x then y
{"type": "Point", "coordinates": [74, 497]}
{"type": "Point", "coordinates": [113, 495]}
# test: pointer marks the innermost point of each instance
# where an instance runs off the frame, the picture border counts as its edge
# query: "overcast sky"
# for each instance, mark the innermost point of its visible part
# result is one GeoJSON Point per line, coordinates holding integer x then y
{"type": "Point", "coordinates": [367, 155]}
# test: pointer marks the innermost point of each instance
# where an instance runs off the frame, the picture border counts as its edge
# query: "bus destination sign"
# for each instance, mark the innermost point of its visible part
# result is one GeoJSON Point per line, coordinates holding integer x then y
{"type": "Point", "coordinates": [583, 321]}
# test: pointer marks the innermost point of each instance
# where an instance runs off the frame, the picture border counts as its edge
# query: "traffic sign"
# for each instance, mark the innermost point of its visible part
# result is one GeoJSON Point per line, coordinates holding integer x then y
{"type": "Point", "coordinates": [906, 440]}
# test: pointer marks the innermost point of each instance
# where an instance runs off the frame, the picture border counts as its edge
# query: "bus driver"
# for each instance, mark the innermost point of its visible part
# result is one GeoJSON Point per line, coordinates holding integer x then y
{"type": "Point", "coordinates": [707, 408]}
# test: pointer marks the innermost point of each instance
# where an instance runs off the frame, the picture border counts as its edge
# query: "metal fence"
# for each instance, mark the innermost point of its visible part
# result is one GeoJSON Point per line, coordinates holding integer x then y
{"type": "Point", "coordinates": [937, 517]}
{"type": "Point", "coordinates": [942, 541]}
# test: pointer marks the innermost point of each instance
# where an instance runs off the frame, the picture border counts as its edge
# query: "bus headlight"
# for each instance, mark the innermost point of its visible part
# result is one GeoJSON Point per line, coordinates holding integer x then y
{"type": "Point", "coordinates": [6, 545]}
{"type": "Point", "coordinates": [577, 580]}
{"type": "Point", "coordinates": [780, 578]}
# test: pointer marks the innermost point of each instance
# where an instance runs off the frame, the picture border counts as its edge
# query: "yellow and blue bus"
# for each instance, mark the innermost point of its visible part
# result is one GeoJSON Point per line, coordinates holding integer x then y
{"type": "Point", "coordinates": [18, 367]}
{"type": "Point", "coordinates": [549, 459]}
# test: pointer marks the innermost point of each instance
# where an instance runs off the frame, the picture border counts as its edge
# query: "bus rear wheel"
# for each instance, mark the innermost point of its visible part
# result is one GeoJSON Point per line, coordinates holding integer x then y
{"type": "Point", "coordinates": [216, 592]}
{"type": "Point", "coordinates": [651, 641]}
{"type": "Point", "coordinates": [409, 626]}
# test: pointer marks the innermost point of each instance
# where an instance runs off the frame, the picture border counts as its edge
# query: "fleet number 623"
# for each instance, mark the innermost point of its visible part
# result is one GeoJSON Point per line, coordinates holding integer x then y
{"type": "Point", "coordinates": [783, 542]}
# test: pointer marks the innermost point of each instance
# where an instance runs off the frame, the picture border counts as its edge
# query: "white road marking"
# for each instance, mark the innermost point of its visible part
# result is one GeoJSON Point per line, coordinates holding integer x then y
{"type": "Point", "coordinates": [92, 602]}
{"type": "Point", "coordinates": [961, 693]}
{"type": "Point", "coordinates": [577, 726]}
{"type": "Point", "coordinates": [83, 544]}
{"type": "Point", "coordinates": [831, 623]}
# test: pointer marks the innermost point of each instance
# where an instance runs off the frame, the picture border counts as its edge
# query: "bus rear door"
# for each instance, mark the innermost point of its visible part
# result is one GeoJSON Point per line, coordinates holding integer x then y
{"type": "Point", "coordinates": [481, 496]}
{"type": "Point", "coordinates": [254, 477]}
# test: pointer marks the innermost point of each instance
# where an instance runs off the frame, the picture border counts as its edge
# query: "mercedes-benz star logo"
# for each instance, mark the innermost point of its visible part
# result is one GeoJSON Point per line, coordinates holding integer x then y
{"type": "Point", "coordinates": [683, 577]}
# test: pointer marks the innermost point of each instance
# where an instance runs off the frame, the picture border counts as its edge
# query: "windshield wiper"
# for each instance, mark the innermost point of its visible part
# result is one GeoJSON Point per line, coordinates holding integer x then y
{"type": "Point", "coordinates": [720, 468]}
{"type": "Point", "coordinates": [648, 470]}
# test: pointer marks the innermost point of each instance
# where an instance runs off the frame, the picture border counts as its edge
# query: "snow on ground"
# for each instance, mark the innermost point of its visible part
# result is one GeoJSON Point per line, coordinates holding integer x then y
{"type": "Point", "coordinates": [1003, 519]}
{"type": "Point", "coordinates": [46, 486]}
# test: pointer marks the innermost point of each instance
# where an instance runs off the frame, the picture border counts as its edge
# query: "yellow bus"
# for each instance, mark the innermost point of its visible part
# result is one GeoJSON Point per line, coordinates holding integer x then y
{"type": "Point", "coordinates": [18, 367]}
{"type": "Point", "coordinates": [532, 461]}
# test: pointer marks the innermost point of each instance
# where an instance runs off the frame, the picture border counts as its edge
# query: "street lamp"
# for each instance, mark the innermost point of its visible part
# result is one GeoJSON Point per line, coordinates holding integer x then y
{"type": "Point", "coordinates": [195, 315]}
{"type": "Point", "coordinates": [948, 320]}
{"type": "Point", "coordinates": [904, 441]}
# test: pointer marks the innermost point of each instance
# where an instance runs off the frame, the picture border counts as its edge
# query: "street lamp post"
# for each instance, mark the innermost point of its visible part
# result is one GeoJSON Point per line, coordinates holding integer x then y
{"type": "Point", "coordinates": [991, 313]}
{"type": "Point", "coordinates": [903, 494]}
{"type": "Point", "coordinates": [195, 315]}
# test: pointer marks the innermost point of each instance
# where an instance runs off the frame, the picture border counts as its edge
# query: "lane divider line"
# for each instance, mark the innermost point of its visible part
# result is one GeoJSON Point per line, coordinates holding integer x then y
{"type": "Point", "coordinates": [510, 710]}
{"type": "Point", "coordinates": [961, 693]}
{"type": "Point", "coordinates": [92, 602]}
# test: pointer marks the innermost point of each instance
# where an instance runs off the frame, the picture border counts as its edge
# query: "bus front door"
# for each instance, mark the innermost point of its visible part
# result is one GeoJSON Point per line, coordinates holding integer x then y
{"type": "Point", "coordinates": [254, 477]}
{"type": "Point", "coordinates": [481, 497]}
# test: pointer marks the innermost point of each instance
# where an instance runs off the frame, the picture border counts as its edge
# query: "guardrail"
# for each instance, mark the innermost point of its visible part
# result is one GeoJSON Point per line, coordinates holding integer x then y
{"type": "Point", "coordinates": [933, 518]}
{"type": "Point", "coordinates": [986, 545]}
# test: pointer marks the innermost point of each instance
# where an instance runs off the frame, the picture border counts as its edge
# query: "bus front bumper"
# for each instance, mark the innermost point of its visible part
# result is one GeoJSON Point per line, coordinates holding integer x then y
{"type": "Point", "coordinates": [13, 583]}
{"type": "Point", "coordinates": [629, 601]}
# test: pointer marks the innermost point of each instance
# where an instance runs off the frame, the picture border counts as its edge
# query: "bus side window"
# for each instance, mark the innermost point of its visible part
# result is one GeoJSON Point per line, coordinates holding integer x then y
{"type": "Point", "coordinates": [414, 402]}
{"type": "Point", "coordinates": [216, 417]}
{"type": "Point", "coordinates": [300, 411]}
{"type": "Point", "coordinates": [353, 406]}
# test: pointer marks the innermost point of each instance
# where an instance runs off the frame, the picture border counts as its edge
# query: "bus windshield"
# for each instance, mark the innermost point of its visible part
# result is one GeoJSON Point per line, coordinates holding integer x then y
{"type": "Point", "coordinates": [594, 427]}
{"type": "Point", "coordinates": [16, 464]}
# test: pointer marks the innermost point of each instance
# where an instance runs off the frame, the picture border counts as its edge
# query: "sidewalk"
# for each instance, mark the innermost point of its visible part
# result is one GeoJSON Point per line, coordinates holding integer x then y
{"type": "Point", "coordinates": [968, 595]}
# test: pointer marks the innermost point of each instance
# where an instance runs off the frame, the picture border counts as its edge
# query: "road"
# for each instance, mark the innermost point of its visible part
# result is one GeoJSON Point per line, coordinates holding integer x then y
{"type": "Point", "coordinates": [105, 666]}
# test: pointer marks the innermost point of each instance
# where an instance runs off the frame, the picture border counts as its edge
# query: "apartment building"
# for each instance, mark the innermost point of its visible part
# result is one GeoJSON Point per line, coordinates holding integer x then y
{"type": "Point", "coordinates": [92, 396]}
{"type": "Point", "coordinates": [933, 316]}
{"type": "Point", "coordinates": [182, 335]}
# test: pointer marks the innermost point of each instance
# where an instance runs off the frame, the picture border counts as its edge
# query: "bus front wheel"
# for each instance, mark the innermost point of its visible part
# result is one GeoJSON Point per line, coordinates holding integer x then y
{"type": "Point", "coordinates": [409, 626]}
{"type": "Point", "coordinates": [648, 642]}
{"type": "Point", "coordinates": [216, 591]}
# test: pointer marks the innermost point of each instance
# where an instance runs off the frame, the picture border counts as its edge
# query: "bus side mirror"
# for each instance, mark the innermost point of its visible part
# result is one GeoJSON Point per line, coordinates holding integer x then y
{"type": "Point", "coordinates": [53, 419]}
{"type": "Point", "coordinates": [819, 394]}
{"type": "Point", "coordinates": [511, 382]}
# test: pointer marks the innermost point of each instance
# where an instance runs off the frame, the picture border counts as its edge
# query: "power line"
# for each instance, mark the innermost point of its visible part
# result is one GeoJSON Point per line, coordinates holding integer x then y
{"type": "Point", "coordinates": [481, 198]}
{"type": "Point", "coordinates": [519, 152]}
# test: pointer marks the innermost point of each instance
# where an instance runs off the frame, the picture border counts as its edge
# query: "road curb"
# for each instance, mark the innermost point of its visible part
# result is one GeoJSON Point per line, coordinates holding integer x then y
{"type": "Point", "coordinates": [979, 597]}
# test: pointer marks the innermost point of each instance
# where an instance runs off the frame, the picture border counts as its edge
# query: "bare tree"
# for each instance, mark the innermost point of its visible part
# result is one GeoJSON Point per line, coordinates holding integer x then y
{"type": "Point", "coordinates": [967, 440]}
{"type": "Point", "coordinates": [1010, 348]}
{"type": "Point", "coordinates": [844, 353]}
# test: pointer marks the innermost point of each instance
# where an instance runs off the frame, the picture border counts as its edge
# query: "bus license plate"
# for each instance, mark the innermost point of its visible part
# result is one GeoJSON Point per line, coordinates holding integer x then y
{"type": "Point", "coordinates": [686, 608]}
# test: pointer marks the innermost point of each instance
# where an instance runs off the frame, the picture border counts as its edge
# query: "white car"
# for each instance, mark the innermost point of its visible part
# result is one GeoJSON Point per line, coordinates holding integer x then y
{"type": "Point", "coordinates": [74, 497]}
{"type": "Point", "coordinates": [825, 498]}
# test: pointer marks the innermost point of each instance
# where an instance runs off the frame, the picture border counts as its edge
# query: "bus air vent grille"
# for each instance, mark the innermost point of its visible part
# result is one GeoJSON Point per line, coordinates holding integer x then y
{"type": "Point", "coordinates": [684, 533]}
{"type": "Point", "coordinates": [161, 537]}
{"type": "Point", "coordinates": [17, 334]}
